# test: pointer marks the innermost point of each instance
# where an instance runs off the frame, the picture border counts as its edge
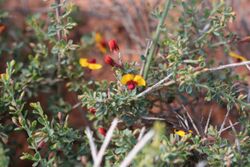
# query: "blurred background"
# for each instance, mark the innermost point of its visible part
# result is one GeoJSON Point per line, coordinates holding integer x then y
{"type": "Point", "coordinates": [128, 21]}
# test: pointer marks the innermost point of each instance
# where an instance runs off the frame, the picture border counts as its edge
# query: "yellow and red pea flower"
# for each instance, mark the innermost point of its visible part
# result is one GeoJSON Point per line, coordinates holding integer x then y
{"type": "Point", "coordinates": [113, 46]}
{"type": "Point", "coordinates": [237, 56]}
{"type": "Point", "coordinates": [182, 133]}
{"type": "Point", "coordinates": [101, 43]}
{"type": "Point", "coordinates": [132, 81]}
{"type": "Point", "coordinates": [90, 64]}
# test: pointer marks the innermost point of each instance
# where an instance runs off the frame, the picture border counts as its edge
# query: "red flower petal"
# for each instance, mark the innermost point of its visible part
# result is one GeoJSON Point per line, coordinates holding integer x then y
{"type": "Point", "coordinates": [108, 60]}
{"type": "Point", "coordinates": [92, 110]}
{"type": "Point", "coordinates": [102, 131]}
{"type": "Point", "coordinates": [131, 85]}
{"type": "Point", "coordinates": [113, 45]}
{"type": "Point", "coordinates": [93, 61]}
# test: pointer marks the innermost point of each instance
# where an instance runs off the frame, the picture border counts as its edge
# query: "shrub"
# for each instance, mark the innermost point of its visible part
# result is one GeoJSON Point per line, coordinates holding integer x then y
{"type": "Point", "coordinates": [178, 70]}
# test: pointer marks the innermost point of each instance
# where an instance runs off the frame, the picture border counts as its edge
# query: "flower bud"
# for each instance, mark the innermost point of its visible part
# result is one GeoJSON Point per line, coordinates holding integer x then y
{"type": "Point", "coordinates": [113, 45]}
{"type": "Point", "coordinates": [2, 28]}
{"type": "Point", "coordinates": [92, 110]}
{"type": "Point", "coordinates": [102, 131]}
{"type": "Point", "coordinates": [108, 60]}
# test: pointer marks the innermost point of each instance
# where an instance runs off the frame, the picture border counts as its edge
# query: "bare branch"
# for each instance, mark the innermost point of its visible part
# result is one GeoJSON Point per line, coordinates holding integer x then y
{"type": "Point", "coordinates": [153, 118]}
{"type": "Point", "coordinates": [105, 143]}
{"type": "Point", "coordinates": [154, 86]}
{"type": "Point", "coordinates": [208, 120]}
{"type": "Point", "coordinates": [192, 121]}
{"type": "Point", "coordinates": [232, 65]}
{"type": "Point", "coordinates": [131, 155]}
{"type": "Point", "coordinates": [236, 123]}
{"type": "Point", "coordinates": [141, 133]}
{"type": "Point", "coordinates": [149, 44]}
{"type": "Point", "coordinates": [237, 142]}
{"type": "Point", "coordinates": [76, 105]}
{"type": "Point", "coordinates": [224, 121]}
{"type": "Point", "coordinates": [91, 143]}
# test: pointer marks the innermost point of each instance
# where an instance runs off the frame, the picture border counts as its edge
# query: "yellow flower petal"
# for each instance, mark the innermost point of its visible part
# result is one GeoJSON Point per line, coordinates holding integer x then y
{"type": "Point", "coordinates": [94, 66]}
{"type": "Point", "coordinates": [126, 78]}
{"type": "Point", "coordinates": [139, 80]}
{"type": "Point", "coordinates": [84, 62]}
{"type": "Point", "coordinates": [180, 133]}
{"type": "Point", "coordinates": [235, 55]}
{"type": "Point", "coordinates": [101, 48]}
{"type": "Point", "coordinates": [98, 37]}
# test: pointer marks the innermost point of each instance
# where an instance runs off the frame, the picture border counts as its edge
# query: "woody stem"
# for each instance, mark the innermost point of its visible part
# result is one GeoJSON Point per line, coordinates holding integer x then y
{"type": "Point", "coordinates": [59, 37]}
{"type": "Point", "coordinates": [156, 38]}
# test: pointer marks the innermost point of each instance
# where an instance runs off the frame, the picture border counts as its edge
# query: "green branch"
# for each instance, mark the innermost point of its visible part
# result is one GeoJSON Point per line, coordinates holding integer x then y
{"type": "Point", "coordinates": [156, 37]}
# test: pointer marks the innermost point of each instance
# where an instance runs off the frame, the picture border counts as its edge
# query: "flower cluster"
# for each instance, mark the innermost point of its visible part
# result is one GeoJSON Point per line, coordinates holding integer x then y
{"type": "Point", "coordinates": [130, 80]}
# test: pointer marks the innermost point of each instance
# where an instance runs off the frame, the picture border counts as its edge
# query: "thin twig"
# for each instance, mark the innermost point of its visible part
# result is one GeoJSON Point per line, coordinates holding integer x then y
{"type": "Point", "coordinates": [236, 123]}
{"type": "Point", "coordinates": [91, 143]}
{"type": "Point", "coordinates": [248, 95]}
{"type": "Point", "coordinates": [141, 133]}
{"type": "Point", "coordinates": [232, 65]}
{"type": "Point", "coordinates": [154, 86]}
{"type": "Point", "coordinates": [59, 37]}
{"type": "Point", "coordinates": [182, 121]}
{"type": "Point", "coordinates": [153, 118]}
{"type": "Point", "coordinates": [105, 143]}
{"type": "Point", "coordinates": [131, 155]}
{"type": "Point", "coordinates": [192, 121]}
{"type": "Point", "coordinates": [156, 37]}
{"type": "Point", "coordinates": [149, 44]}
{"type": "Point", "coordinates": [58, 20]}
{"type": "Point", "coordinates": [158, 84]}
{"type": "Point", "coordinates": [248, 67]}
{"type": "Point", "coordinates": [208, 120]}
{"type": "Point", "coordinates": [76, 105]}
{"type": "Point", "coordinates": [224, 121]}
{"type": "Point", "coordinates": [237, 142]}
{"type": "Point", "coordinates": [120, 58]}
